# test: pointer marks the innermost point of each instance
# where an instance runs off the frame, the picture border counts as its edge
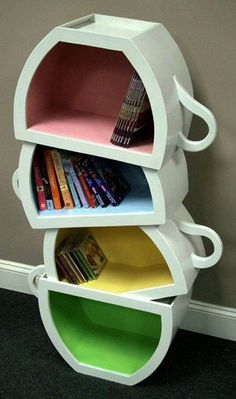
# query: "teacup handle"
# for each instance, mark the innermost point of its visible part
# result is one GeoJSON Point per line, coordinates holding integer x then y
{"type": "Point", "coordinates": [15, 183]}
{"type": "Point", "coordinates": [198, 109]}
{"type": "Point", "coordinates": [36, 272]}
{"type": "Point", "coordinates": [201, 262]}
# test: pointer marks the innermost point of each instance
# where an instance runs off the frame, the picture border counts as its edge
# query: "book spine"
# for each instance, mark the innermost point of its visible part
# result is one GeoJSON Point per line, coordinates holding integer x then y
{"type": "Point", "coordinates": [66, 195]}
{"type": "Point", "coordinates": [66, 270]}
{"type": "Point", "coordinates": [85, 187]}
{"type": "Point", "coordinates": [79, 188]}
{"type": "Point", "coordinates": [133, 113]}
{"type": "Point", "coordinates": [46, 184]}
{"type": "Point", "coordinates": [95, 189]}
{"type": "Point", "coordinates": [85, 268]}
{"type": "Point", "coordinates": [120, 127]}
{"type": "Point", "coordinates": [52, 179]}
{"type": "Point", "coordinates": [71, 183]}
{"type": "Point", "coordinates": [112, 178]}
{"type": "Point", "coordinates": [75, 268]}
{"type": "Point", "coordinates": [102, 184]}
{"type": "Point", "coordinates": [138, 120]}
{"type": "Point", "coordinates": [92, 254]}
{"type": "Point", "coordinates": [39, 184]}
{"type": "Point", "coordinates": [133, 108]}
{"type": "Point", "coordinates": [63, 272]}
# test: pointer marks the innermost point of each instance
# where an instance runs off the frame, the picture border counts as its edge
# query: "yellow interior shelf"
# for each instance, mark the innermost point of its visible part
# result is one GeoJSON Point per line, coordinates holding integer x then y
{"type": "Point", "coordinates": [118, 278]}
{"type": "Point", "coordinates": [133, 260]}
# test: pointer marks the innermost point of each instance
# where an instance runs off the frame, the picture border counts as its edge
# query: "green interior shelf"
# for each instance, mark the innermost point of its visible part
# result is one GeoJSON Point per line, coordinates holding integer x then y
{"type": "Point", "coordinates": [104, 335]}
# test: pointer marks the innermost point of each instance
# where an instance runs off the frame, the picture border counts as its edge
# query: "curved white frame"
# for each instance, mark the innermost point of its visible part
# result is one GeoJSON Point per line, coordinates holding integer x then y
{"type": "Point", "coordinates": [171, 316]}
{"type": "Point", "coordinates": [156, 57]}
{"type": "Point", "coordinates": [178, 250]}
{"type": "Point", "coordinates": [168, 84]}
{"type": "Point", "coordinates": [166, 197]}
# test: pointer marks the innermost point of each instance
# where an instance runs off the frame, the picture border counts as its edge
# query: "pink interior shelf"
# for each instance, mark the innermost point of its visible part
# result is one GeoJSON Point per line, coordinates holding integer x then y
{"type": "Point", "coordinates": [77, 92]}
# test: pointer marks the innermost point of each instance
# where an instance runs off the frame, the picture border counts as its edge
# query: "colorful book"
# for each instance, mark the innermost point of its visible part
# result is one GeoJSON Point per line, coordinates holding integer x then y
{"type": "Point", "coordinates": [72, 167]}
{"type": "Point", "coordinates": [84, 266]}
{"type": "Point", "coordinates": [65, 192]}
{"type": "Point", "coordinates": [89, 195]}
{"type": "Point", "coordinates": [112, 176]}
{"type": "Point", "coordinates": [67, 169]}
{"type": "Point", "coordinates": [79, 258]}
{"type": "Point", "coordinates": [42, 204]}
{"type": "Point", "coordinates": [134, 113]}
{"type": "Point", "coordinates": [100, 197]}
{"type": "Point", "coordinates": [126, 111]}
{"type": "Point", "coordinates": [75, 267]}
{"type": "Point", "coordinates": [67, 265]}
{"type": "Point", "coordinates": [101, 183]}
{"type": "Point", "coordinates": [139, 124]}
{"type": "Point", "coordinates": [79, 180]}
{"type": "Point", "coordinates": [52, 179]}
{"type": "Point", "coordinates": [92, 253]}
{"type": "Point", "coordinates": [44, 174]}
{"type": "Point", "coordinates": [65, 270]}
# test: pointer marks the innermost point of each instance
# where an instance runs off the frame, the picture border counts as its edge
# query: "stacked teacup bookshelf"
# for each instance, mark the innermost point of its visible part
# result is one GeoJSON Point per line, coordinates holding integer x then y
{"type": "Point", "coordinates": [119, 326]}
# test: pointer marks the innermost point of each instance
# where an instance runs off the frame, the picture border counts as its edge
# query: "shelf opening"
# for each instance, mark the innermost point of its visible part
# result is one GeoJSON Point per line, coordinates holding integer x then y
{"type": "Point", "coordinates": [137, 199]}
{"type": "Point", "coordinates": [133, 260]}
{"type": "Point", "coordinates": [106, 336]}
{"type": "Point", "coordinates": [77, 92]}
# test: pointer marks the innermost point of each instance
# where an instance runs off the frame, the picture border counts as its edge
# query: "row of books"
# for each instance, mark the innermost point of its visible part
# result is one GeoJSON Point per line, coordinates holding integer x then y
{"type": "Point", "coordinates": [64, 179]}
{"type": "Point", "coordinates": [135, 118]}
{"type": "Point", "coordinates": [79, 258]}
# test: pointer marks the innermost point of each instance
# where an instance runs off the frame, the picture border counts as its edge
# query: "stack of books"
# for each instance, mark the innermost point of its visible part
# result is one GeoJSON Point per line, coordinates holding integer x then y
{"type": "Point", "coordinates": [134, 116]}
{"type": "Point", "coordinates": [65, 179]}
{"type": "Point", "coordinates": [79, 258]}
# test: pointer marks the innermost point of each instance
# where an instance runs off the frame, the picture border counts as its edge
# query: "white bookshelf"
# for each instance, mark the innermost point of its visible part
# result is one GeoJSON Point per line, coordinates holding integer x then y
{"type": "Point", "coordinates": [141, 205]}
{"type": "Point", "coordinates": [72, 86]}
{"type": "Point", "coordinates": [68, 97]}
{"type": "Point", "coordinates": [125, 347]}
{"type": "Point", "coordinates": [152, 262]}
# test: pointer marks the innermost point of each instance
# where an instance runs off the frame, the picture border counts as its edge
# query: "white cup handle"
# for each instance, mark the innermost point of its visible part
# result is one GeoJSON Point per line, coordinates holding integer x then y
{"type": "Point", "coordinates": [201, 262]}
{"type": "Point", "coordinates": [198, 109]}
{"type": "Point", "coordinates": [15, 183]}
{"type": "Point", "coordinates": [37, 271]}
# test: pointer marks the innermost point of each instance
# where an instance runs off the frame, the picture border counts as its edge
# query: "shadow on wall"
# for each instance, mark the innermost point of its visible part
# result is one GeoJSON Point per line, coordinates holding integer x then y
{"type": "Point", "coordinates": [205, 206]}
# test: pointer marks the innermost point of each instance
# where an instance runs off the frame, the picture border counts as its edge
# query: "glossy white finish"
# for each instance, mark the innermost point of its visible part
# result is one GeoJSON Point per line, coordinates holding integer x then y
{"type": "Point", "coordinates": [14, 276]}
{"type": "Point", "coordinates": [179, 250]}
{"type": "Point", "coordinates": [204, 231]}
{"type": "Point", "coordinates": [33, 278]}
{"type": "Point", "coordinates": [154, 54]}
{"type": "Point", "coordinates": [171, 315]}
{"type": "Point", "coordinates": [15, 183]}
{"type": "Point", "coordinates": [138, 207]}
{"type": "Point", "coordinates": [152, 51]}
{"type": "Point", "coordinates": [201, 317]}
{"type": "Point", "coordinates": [198, 109]}
{"type": "Point", "coordinates": [209, 319]}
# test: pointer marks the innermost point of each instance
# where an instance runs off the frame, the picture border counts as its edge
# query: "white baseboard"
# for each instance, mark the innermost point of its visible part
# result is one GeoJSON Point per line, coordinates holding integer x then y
{"type": "Point", "coordinates": [215, 320]}
{"type": "Point", "coordinates": [14, 276]}
{"type": "Point", "coordinates": [204, 318]}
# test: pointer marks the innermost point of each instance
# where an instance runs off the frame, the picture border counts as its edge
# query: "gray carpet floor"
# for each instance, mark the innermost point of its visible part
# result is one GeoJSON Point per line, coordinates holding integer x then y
{"type": "Point", "coordinates": [196, 366]}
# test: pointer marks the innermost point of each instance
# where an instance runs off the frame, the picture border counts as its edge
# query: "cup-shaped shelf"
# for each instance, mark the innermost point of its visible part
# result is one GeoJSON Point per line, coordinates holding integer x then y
{"type": "Point", "coordinates": [73, 84]}
{"type": "Point", "coordinates": [149, 261]}
{"type": "Point", "coordinates": [108, 336]}
{"type": "Point", "coordinates": [153, 196]}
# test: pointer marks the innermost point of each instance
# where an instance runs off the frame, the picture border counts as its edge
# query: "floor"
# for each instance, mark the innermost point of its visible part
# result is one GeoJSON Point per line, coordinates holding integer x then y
{"type": "Point", "coordinates": [196, 366]}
